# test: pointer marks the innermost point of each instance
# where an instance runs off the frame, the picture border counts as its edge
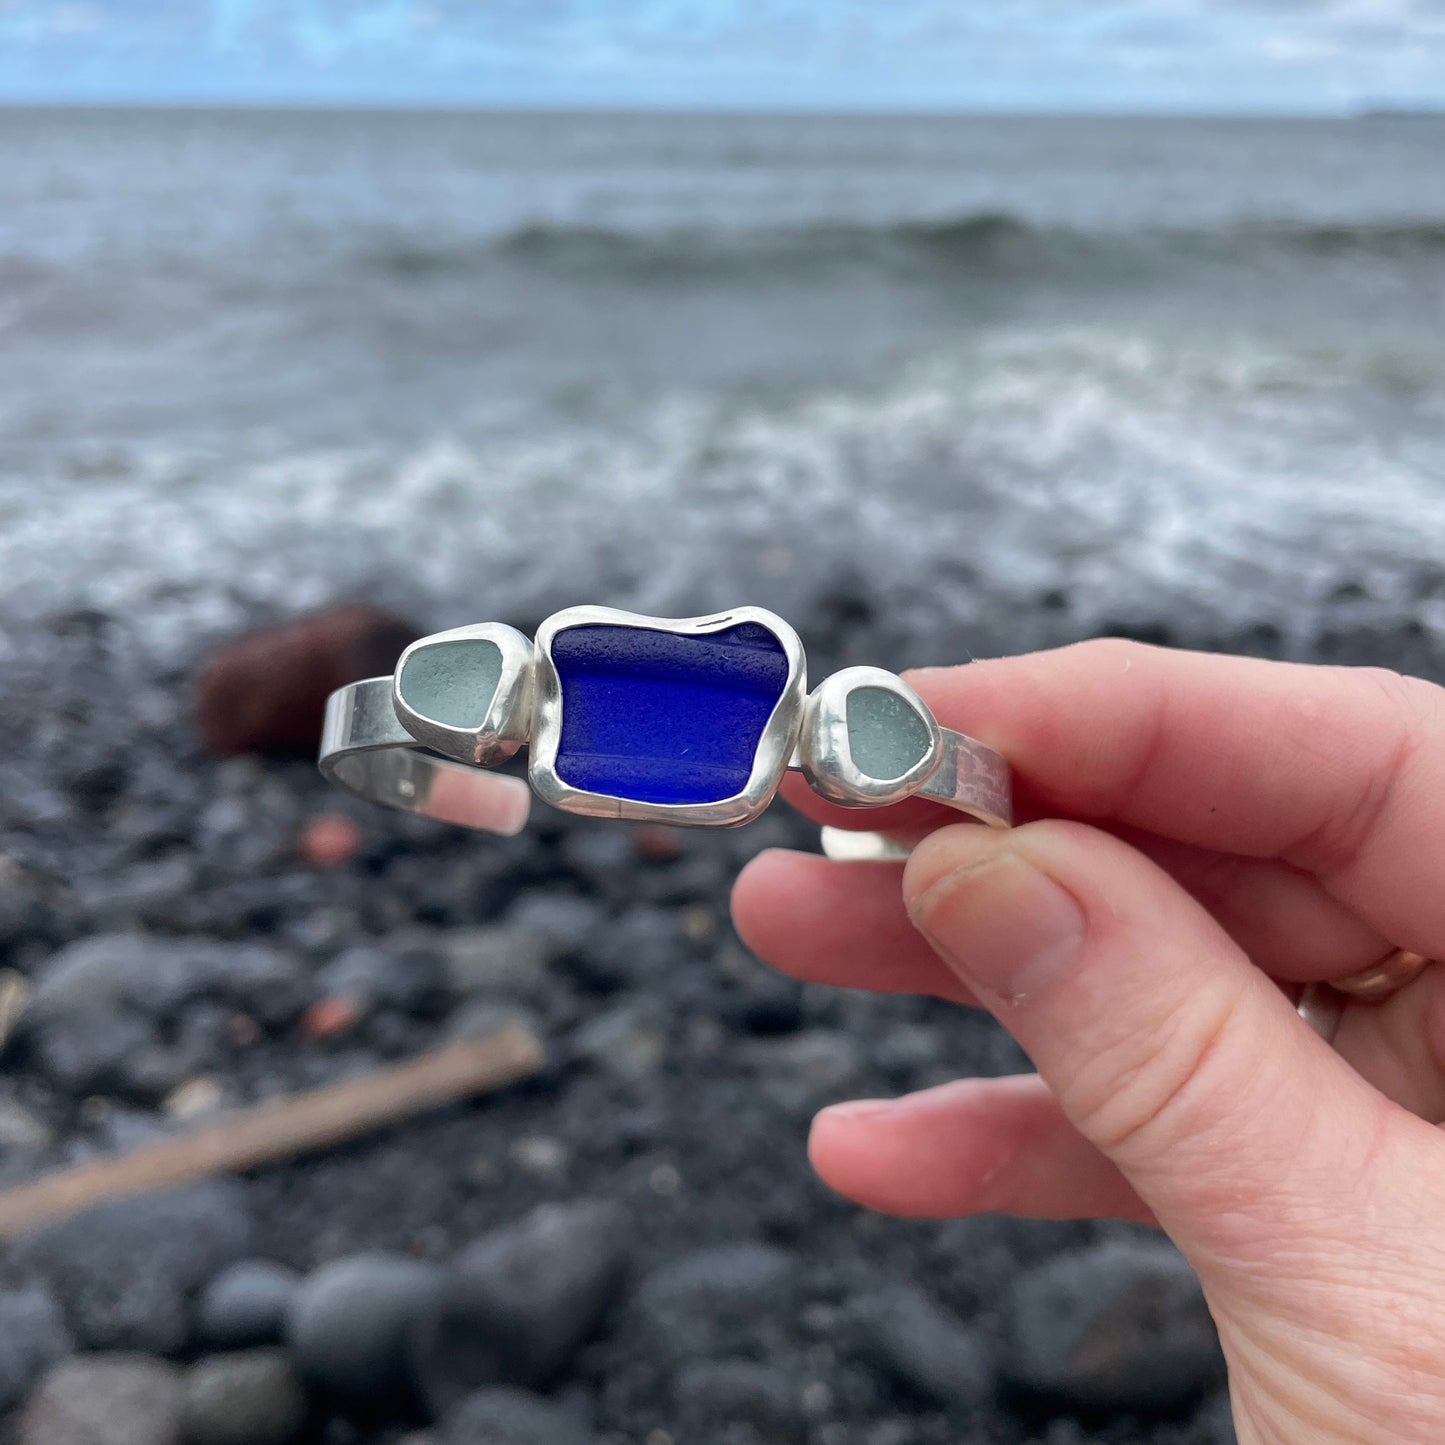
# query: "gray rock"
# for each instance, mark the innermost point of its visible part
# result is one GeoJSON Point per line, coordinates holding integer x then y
{"type": "Point", "coordinates": [349, 1321]}
{"type": "Point", "coordinates": [766, 1005]}
{"type": "Point", "coordinates": [23, 913]}
{"type": "Point", "coordinates": [562, 921]}
{"type": "Point", "coordinates": [114, 1129]}
{"type": "Point", "coordinates": [642, 944]}
{"type": "Point", "coordinates": [247, 1304]}
{"type": "Point", "coordinates": [125, 1272]}
{"type": "Point", "coordinates": [495, 958]}
{"type": "Point", "coordinates": [358, 973]}
{"type": "Point", "coordinates": [823, 1060]}
{"type": "Point", "coordinates": [153, 976]}
{"type": "Point", "coordinates": [104, 1400]}
{"type": "Point", "coordinates": [516, 1305]}
{"type": "Point", "coordinates": [252, 1397]}
{"type": "Point", "coordinates": [411, 979]}
{"type": "Point", "coordinates": [158, 1069]}
{"type": "Point", "coordinates": [262, 981]}
{"type": "Point", "coordinates": [89, 1048]}
{"type": "Point", "coordinates": [134, 970]}
{"type": "Point", "coordinates": [142, 892]}
{"type": "Point", "coordinates": [32, 1338]}
{"type": "Point", "coordinates": [512, 1417]}
{"type": "Point", "coordinates": [917, 1343]}
{"type": "Point", "coordinates": [1120, 1325]}
{"type": "Point", "coordinates": [22, 1128]}
{"type": "Point", "coordinates": [479, 1018]}
{"type": "Point", "coordinates": [710, 1303]}
{"type": "Point", "coordinates": [1215, 1422]}
{"type": "Point", "coordinates": [713, 1394]}
{"type": "Point", "coordinates": [627, 1041]}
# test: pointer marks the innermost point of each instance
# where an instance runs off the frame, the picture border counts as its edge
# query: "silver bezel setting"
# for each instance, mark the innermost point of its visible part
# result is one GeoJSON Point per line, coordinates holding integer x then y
{"type": "Point", "coordinates": [825, 753]}
{"type": "Point", "coordinates": [508, 722]}
{"type": "Point", "coordinates": [770, 761]}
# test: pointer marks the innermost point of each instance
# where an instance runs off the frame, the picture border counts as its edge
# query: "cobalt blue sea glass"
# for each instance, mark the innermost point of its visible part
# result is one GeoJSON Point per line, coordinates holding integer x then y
{"type": "Point", "coordinates": [655, 717]}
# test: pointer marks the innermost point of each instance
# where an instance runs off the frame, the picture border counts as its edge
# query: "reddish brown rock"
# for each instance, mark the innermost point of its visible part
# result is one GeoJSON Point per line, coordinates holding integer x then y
{"type": "Point", "coordinates": [657, 843]}
{"type": "Point", "coordinates": [329, 840]}
{"type": "Point", "coordinates": [266, 692]}
{"type": "Point", "coordinates": [331, 1016]}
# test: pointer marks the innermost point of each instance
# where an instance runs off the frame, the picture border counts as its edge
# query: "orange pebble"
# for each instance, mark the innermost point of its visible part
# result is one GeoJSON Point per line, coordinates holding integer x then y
{"type": "Point", "coordinates": [657, 842]}
{"type": "Point", "coordinates": [330, 1016]}
{"type": "Point", "coordinates": [329, 840]}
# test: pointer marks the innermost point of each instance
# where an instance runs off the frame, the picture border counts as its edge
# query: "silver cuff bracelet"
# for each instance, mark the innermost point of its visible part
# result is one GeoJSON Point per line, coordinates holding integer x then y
{"type": "Point", "coordinates": [690, 722]}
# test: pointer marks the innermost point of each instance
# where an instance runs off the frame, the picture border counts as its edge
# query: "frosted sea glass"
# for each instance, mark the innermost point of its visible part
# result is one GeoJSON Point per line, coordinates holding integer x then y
{"type": "Point", "coordinates": [885, 733]}
{"type": "Point", "coordinates": [453, 682]}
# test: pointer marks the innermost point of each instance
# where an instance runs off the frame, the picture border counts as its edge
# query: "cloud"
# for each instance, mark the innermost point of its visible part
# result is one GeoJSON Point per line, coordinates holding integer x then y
{"type": "Point", "coordinates": [1027, 54]}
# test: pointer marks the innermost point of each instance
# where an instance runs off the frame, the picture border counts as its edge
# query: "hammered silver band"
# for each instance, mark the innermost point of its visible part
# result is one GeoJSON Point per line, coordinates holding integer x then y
{"type": "Point", "coordinates": [381, 746]}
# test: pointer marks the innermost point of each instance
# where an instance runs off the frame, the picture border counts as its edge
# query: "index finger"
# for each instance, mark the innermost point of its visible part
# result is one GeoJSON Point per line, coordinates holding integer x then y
{"type": "Point", "coordinates": [1336, 770]}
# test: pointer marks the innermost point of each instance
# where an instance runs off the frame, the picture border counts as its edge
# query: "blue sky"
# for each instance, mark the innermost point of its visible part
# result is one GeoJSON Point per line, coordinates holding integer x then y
{"type": "Point", "coordinates": [1293, 55]}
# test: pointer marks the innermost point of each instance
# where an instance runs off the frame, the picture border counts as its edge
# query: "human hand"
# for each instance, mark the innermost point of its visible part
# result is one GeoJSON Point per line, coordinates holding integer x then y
{"type": "Point", "coordinates": [1208, 834]}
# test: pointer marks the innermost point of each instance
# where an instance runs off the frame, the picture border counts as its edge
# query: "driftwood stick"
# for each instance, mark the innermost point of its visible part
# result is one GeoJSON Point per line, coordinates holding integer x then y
{"type": "Point", "coordinates": [279, 1129]}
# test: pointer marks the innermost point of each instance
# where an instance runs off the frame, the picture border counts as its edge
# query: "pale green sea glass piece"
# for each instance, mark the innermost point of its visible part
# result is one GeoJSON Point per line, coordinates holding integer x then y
{"type": "Point", "coordinates": [453, 683]}
{"type": "Point", "coordinates": [885, 733]}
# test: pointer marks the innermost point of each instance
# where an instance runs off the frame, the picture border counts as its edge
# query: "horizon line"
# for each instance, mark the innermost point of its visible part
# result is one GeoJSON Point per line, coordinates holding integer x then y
{"type": "Point", "coordinates": [1365, 109]}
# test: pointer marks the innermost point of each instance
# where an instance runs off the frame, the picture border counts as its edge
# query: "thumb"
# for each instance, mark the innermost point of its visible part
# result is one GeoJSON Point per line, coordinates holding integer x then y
{"type": "Point", "coordinates": [1164, 1045]}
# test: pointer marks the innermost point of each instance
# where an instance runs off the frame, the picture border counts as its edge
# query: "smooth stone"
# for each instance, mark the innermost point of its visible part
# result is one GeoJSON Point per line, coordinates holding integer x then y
{"type": "Point", "coordinates": [22, 1129]}
{"type": "Point", "coordinates": [1215, 1422]}
{"type": "Point", "coordinates": [92, 1048]}
{"type": "Point", "coordinates": [141, 892]}
{"type": "Point", "coordinates": [914, 1341]}
{"type": "Point", "coordinates": [495, 958]}
{"type": "Point", "coordinates": [252, 1397]}
{"type": "Point", "coordinates": [479, 1018]}
{"type": "Point", "coordinates": [713, 1395]}
{"type": "Point", "coordinates": [118, 1399]}
{"type": "Point", "coordinates": [712, 1303]}
{"type": "Point", "coordinates": [411, 981]}
{"type": "Point", "coordinates": [453, 683]}
{"type": "Point", "coordinates": [641, 944]}
{"type": "Point", "coordinates": [349, 1321]}
{"type": "Point", "coordinates": [247, 1304]}
{"type": "Point", "coordinates": [125, 1272]}
{"type": "Point", "coordinates": [512, 1417]}
{"type": "Point", "coordinates": [886, 736]}
{"type": "Point", "coordinates": [657, 717]}
{"type": "Point", "coordinates": [154, 976]}
{"type": "Point", "coordinates": [563, 921]}
{"type": "Point", "coordinates": [265, 692]}
{"type": "Point", "coordinates": [517, 1305]}
{"type": "Point", "coordinates": [627, 1041]}
{"type": "Point", "coordinates": [32, 1338]}
{"type": "Point", "coordinates": [818, 1062]}
{"type": "Point", "coordinates": [138, 970]}
{"type": "Point", "coordinates": [1120, 1325]}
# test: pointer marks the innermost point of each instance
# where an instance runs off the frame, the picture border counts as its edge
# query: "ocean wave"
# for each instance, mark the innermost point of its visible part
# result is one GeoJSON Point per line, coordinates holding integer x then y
{"type": "Point", "coordinates": [987, 241]}
{"type": "Point", "coordinates": [1137, 480]}
{"type": "Point", "coordinates": [1383, 238]}
{"type": "Point", "coordinates": [990, 245]}
{"type": "Point", "coordinates": [986, 238]}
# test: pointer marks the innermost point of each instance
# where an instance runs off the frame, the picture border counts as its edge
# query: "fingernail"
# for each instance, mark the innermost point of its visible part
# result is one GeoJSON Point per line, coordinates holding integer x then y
{"type": "Point", "coordinates": [999, 922]}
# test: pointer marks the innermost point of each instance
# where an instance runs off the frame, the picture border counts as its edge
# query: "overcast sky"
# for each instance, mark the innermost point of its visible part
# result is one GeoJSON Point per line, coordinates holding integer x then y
{"type": "Point", "coordinates": [1304, 55]}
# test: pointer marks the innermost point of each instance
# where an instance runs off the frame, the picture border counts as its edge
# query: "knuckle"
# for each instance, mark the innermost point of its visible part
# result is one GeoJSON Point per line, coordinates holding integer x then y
{"type": "Point", "coordinates": [1418, 704]}
{"type": "Point", "coordinates": [1152, 1090]}
{"type": "Point", "coordinates": [1112, 653]}
{"type": "Point", "coordinates": [1415, 710]}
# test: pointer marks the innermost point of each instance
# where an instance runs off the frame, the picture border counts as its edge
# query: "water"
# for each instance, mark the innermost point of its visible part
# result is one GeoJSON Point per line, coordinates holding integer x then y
{"type": "Point", "coordinates": [983, 372]}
